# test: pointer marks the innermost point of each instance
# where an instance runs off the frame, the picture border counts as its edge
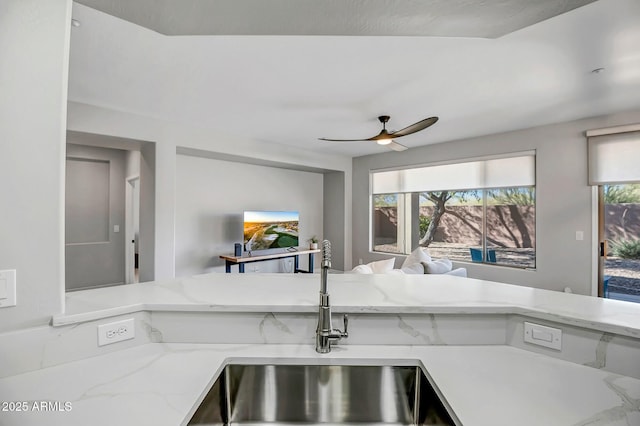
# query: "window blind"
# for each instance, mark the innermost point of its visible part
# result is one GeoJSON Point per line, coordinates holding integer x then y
{"type": "Point", "coordinates": [491, 173]}
{"type": "Point", "coordinates": [614, 158]}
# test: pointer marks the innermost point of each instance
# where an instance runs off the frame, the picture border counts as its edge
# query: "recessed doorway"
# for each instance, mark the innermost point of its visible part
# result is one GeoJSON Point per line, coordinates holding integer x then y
{"type": "Point", "coordinates": [114, 207]}
{"type": "Point", "coordinates": [132, 229]}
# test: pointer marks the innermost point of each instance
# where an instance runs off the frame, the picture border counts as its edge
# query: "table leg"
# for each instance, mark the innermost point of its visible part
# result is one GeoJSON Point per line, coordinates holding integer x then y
{"type": "Point", "coordinates": [296, 263]}
{"type": "Point", "coordinates": [227, 266]}
{"type": "Point", "coordinates": [241, 267]}
{"type": "Point", "coordinates": [311, 257]}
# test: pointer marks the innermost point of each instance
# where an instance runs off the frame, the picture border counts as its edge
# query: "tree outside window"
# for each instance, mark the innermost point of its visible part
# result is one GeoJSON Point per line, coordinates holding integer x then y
{"type": "Point", "coordinates": [498, 222]}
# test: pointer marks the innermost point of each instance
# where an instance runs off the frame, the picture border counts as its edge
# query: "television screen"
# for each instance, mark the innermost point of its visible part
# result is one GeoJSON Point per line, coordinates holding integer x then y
{"type": "Point", "coordinates": [267, 230]}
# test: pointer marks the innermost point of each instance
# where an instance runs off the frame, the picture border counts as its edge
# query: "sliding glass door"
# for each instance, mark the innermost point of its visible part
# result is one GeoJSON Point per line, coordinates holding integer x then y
{"type": "Point", "coordinates": [619, 236]}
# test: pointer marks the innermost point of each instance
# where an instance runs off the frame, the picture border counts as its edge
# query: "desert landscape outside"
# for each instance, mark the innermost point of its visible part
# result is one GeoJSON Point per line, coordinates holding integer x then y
{"type": "Point", "coordinates": [509, 220]}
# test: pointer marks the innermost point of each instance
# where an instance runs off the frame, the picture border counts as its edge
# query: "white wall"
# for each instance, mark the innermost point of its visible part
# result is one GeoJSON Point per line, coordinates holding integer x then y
{"type": "Point", "coordinates": [563, 198]}
{"type": "Point", "coordinates": [211, 196]}
{"type": "Point", "coordinates": [34, 52]}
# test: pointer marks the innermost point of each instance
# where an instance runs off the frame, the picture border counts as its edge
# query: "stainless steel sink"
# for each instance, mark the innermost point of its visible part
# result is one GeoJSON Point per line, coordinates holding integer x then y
{"type": "Point", "coordinates": [322, 394]}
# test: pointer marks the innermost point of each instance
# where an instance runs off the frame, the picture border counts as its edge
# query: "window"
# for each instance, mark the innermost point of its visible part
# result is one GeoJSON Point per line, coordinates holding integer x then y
{"type": "Point", "coordinates": [385, 223]}
{"type": "Point", "coordinates": [491, 220]}
{"type": "Point", "coordinates": [390, 227]}
{"type": "Point", "coordinates": [511, 230]}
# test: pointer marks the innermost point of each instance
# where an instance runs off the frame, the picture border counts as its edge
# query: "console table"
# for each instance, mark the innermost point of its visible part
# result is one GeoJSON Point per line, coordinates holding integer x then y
{"type": "Point", "coordinates": [242, 260]}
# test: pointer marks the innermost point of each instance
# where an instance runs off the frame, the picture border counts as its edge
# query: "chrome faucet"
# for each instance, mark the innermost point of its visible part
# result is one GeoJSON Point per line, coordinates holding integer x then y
{"type": "Point", "coordinates": [325, 334]}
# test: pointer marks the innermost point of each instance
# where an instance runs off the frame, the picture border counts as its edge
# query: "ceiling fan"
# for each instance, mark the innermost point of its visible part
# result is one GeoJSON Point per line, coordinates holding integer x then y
{"type": "Point", "coordinates": [386, 138]}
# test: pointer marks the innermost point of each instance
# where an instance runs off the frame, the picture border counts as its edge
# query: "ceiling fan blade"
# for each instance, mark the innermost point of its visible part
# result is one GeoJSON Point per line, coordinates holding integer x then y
{"type": "Point", "coordinates": [342, 140]}
{"type": "Point", "coordinates": [415, 127]}
{"type": "Point", "coordinates": [396, 146]}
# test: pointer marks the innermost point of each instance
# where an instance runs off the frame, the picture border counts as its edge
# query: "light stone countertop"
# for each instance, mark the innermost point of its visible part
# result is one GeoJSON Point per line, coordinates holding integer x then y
{"type": "Point", "coordinates": [351, 293]}
{"type": "Point", "coordinates": [162, 384]}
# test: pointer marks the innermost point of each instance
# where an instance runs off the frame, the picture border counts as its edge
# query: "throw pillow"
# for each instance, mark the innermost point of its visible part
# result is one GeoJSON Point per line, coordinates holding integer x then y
{"type": "Point", "coordinates": [439, 266]}
{"type": "Point", "coordinates": [418, 255]}
{"type": "Point", "coordinates": [382, 266]}
{"type": "Point", "coordinates": [416, 268]}
{"type": "Point", "coordinates": [362, 269]}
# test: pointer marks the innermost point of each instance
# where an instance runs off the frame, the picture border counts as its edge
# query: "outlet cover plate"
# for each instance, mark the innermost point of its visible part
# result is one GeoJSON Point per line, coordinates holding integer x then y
{"type": "Point", "coordinates": [543, 336]}
{"type": "Point", "coordinates": [116, 332]}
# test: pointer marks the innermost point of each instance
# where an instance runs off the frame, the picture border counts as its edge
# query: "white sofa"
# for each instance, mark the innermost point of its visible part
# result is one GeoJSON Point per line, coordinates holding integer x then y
{"type": "Point", "coordinates": [418, 262]}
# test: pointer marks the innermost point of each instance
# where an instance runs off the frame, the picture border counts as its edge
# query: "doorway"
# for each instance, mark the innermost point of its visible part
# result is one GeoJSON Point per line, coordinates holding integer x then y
{"type": "Point", "coordinates": [125, 219]}
{"type": "Point", "coordinates": [132, 229]}
{"type": "Point", "coordinates": [94, 216]}
{"type": "Point", "coordinates": [619, 237]}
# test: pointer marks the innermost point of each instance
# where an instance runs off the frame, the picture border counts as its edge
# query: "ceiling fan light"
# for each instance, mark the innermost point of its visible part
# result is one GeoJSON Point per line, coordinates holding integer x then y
{"type": "Point", "coordinates": [384, 141]}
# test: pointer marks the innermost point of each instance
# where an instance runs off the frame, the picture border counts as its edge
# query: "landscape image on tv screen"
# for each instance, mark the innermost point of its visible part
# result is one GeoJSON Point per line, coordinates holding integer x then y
{"type": "Point", "coordinates": [268, 230]}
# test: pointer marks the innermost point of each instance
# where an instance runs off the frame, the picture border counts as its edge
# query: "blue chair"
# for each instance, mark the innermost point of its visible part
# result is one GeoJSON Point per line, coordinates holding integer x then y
{"type": "Point", "coordinates": [476, 255]}
{"type": "Point", "coordinates": [605, 285]}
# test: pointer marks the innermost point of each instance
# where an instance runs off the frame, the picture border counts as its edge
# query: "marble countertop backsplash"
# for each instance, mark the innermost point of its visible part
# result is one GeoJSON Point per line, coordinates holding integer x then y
{"type": "Point", "coordinates": [351, 293]}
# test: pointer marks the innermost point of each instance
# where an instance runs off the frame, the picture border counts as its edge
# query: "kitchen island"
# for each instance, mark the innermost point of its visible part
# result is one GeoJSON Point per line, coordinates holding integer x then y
{"type": "Point", "coordinates": [466, 334]}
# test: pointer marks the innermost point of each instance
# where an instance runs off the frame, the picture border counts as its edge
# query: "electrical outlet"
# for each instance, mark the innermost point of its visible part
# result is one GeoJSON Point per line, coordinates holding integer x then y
{"type": "Point", "coordinates": [116, 332]}
{"type": "Point", "coordinates": [542, 335]}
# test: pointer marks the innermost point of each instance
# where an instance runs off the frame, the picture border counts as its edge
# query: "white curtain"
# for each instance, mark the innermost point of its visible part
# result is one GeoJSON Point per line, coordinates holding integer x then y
{"type": "Point", "coordinates": [516, 171]}
{"type": "Point", "coordinates": [614, 158]}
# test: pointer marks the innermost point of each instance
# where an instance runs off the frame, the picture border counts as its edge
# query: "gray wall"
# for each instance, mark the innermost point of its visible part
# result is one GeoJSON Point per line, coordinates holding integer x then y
{"type": "Point", "coordinates": [141, 160]}
{"type": "Point", "coordinates": [333, 217]}
{"type": "Point", "coordinates": [563, 202]}
{"type": "Point", "coordinates": [34, 53]}
{"type": "Point", "coordinates": [147, 237]}
{"type": "Point", "coordinates": [211, 196]}
{"type": "Point", "coordinates": [94, 252]}
{"type": "Point", "coordinates": [133, 163]}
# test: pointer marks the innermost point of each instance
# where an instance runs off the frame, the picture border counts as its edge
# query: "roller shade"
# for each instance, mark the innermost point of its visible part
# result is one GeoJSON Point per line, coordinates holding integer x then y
{"type": "Point", "coordinates": [614, 158]}
{"type": "Point", "coordinates": [492, 173]}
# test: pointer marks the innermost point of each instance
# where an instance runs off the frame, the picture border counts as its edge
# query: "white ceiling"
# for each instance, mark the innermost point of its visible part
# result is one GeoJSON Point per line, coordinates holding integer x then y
{"type": "Point", "coordinates": [291, 90]}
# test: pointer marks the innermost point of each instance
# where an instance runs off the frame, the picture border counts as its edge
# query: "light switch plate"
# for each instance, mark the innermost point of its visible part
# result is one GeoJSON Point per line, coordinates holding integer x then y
{"type": "Point", "coordinates": [543, 336]}
{"type": "Point", "coordinates": [7, 288]}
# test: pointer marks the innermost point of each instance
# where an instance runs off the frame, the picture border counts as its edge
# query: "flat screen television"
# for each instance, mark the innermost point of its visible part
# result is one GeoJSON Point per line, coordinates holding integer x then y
{"type": "Point", "coordinates": [270, 229]}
